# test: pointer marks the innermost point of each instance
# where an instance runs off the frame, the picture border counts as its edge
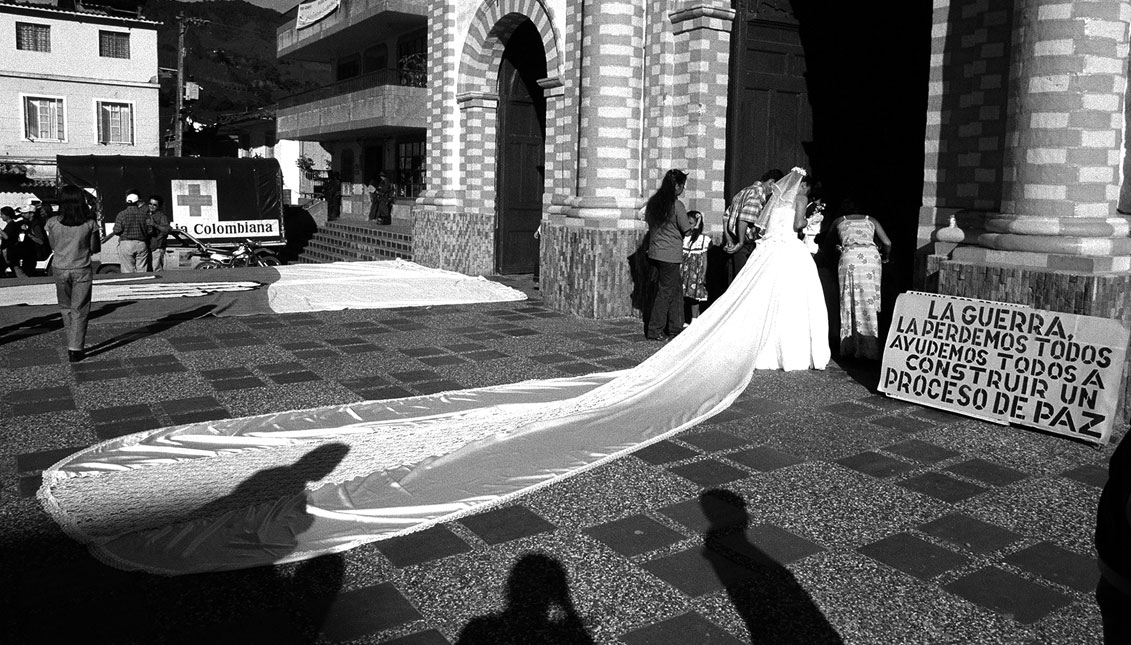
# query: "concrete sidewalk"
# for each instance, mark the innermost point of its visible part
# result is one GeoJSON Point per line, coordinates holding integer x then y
{"type": "Point", "coordinates": [859, 518]}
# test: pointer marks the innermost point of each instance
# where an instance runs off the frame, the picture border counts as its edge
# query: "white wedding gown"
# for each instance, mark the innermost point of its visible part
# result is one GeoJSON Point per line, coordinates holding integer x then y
{"type": "Point", "coordinates": [792, 324]}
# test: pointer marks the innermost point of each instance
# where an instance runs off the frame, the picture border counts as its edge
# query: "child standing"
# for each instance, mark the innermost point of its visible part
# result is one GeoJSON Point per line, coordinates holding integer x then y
{"type": "Point", "coordinates": [694, 267]}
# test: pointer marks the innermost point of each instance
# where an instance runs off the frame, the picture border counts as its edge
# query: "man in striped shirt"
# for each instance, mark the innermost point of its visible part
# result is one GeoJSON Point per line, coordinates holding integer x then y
{"type": "Point", "coordinates": [741, 218]}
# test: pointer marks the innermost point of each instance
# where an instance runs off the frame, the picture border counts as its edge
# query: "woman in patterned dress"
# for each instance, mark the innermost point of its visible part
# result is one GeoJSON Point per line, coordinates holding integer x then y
{"type": "Point", "coordinates": [859, 271]}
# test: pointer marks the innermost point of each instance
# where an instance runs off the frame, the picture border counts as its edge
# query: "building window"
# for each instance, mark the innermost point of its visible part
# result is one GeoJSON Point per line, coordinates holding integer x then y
{"type": "Point", "coordinates": [34, 38]}
{"type": "Point", "coordinates": [349, 66]}
{"type": "Point", "coordinates": [115, 123]}
{"type": "Point", "coordinates": [412, 59]}
{"type": "Point", "coordinates": [375, 59]}
{"type": "Point", "coordinates": [43, 118]}
{"type": "Point", "coordinates": [410, 167]}
{"type": "Point", "coordinates": [113, 44]}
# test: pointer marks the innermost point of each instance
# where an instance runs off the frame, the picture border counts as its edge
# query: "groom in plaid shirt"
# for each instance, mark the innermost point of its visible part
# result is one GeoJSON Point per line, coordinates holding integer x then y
{"type": "Point", "coordinates": [742, 215]}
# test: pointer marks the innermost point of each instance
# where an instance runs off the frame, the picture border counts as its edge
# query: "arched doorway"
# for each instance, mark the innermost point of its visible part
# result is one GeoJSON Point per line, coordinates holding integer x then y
{"type": "Point", "coordinates": [521, 146]}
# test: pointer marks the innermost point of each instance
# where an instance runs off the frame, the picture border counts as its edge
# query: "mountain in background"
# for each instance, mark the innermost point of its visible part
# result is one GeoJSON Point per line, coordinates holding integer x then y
{"type": "Point", "coordinates": [231, 55]}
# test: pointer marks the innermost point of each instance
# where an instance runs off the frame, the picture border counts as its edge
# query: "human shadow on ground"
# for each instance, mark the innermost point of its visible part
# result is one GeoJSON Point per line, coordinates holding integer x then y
{"type": "Point", "coordinates": [539, 609]}
{"type": "Point", "coordinates": [774, 606]}
{"type": "Point", "coordinates": [57, 592]}
{"type": "Point", "coordinates": [161, 324]}
{"type": "Point", "coordinates": [48, 323]}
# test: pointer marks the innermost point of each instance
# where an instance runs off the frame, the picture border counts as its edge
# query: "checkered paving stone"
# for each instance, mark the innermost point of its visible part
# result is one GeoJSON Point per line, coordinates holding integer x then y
{"type": "Point", "coordinates": [422, 546]}
{"type": "Point", "coordinates": [921, 451]}
{"type": "Point", "coordinates": [969, 533]}
{"type": "Point", "coordinates": [989, 473]}
{"type": "Point", "coordinates": [634, 535]}
{"type": "Point", "coordinates": [685, 628]}
{"type": "Point", "coordinates": [505, 524]}
{"type": "Point", "coordinates": [1058, 565]}
{"type": "Point", "coordinates": [942, 487]}
{"type": "Point", "coordinates": [1009, 594]}
{"type": "Point", "coordinates": [875, 464]}
{"type": "Point", "coordinates": [709, 472]}
{"type": "Point", "coordinates": [1090, 474]}
{"type": "Point", "coordinates": [763, 458]}
{"type": "Point", "coordinates": [850, 410]}
{"type": "Point", "coordinates": [901, 423]}
{"type": "Point", "coordinates": [663, 452]}
{"type": "Point", "coordinates": [430, 637]}
{"type": "Point", "coordinates": [361, 612]}
{"type": "Point", "coordinates": [914, 556]}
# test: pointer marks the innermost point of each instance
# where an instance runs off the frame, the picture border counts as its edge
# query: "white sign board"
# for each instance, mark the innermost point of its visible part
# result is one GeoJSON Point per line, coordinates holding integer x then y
{"type": "Point", "coordinates": [194, 201]}
{"type": "Point", "coordinates": [228, 229]}
{"type": "Point", "coordinates": [1006, 363]}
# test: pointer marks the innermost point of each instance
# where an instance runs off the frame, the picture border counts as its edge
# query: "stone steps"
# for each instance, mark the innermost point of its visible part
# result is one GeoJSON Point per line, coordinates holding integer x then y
{"type": "Point", "coordinates": [346, 240]}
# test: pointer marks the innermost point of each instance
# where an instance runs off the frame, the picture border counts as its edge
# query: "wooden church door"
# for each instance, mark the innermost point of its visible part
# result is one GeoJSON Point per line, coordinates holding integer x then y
{"type": "Point", "coordinates": [521, 152]}
{"type": "Point", "coordinates": [769, 121]}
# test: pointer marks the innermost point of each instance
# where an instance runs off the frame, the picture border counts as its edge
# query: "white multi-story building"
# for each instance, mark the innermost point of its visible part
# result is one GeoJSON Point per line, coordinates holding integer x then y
{"type": "Point", "coordinates": [73, 81]}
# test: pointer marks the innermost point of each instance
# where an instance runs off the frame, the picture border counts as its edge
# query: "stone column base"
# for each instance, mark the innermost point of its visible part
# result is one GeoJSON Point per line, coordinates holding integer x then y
{"type": "Point", "coordinates": [1106, 295]}
{"type": "Point", "coordinates": [585, 271]}
{"type": "Point", "coordinates": [455, 241]}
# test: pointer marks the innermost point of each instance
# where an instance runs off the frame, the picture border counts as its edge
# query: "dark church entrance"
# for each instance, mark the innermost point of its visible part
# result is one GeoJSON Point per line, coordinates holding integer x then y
{"type": "Point", "coordinates": [521, 151]}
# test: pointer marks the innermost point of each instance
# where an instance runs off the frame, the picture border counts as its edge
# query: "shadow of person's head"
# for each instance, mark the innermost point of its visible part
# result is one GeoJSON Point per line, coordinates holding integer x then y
{"type": "Point", "coordinates": [725, 511]}
{"type": "Point", "coordinates": [320, 462]}
{"type": "Point", "coordinates": [537, 584]}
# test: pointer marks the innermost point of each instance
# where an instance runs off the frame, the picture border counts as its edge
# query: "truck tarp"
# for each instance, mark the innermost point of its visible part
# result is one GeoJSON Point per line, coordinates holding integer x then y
{"type": "Point", "coordinates": [214, 199]}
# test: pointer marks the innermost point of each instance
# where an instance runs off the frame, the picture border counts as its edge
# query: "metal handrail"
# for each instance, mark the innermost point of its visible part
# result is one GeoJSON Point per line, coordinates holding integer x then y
{"type": "Point", "coordinates": [380, 78]}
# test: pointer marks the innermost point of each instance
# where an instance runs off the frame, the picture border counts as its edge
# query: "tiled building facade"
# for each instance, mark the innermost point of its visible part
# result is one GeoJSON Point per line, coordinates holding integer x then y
{"type": "Point", "coordinates": [1026, 155]}
{"type": "Point", "coordinates": [631, 88]}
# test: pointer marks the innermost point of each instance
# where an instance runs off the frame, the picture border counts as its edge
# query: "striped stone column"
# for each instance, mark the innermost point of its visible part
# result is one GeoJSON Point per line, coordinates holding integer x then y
{"type": "Point", "coordinates": [608, 172]}
{"type": "Point", "coordinates": [443, 178]}
{"type": "Point", "coordinates": [702, 66]}
{"type": "Point", "coordinates": [1065, 133]}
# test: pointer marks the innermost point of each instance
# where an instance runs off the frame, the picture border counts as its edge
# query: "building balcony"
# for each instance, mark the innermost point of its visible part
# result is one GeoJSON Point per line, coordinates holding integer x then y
{"type": "Point", "coordinates": [353, 26]}
{"type": "Point", "coordinates": [382, 103]}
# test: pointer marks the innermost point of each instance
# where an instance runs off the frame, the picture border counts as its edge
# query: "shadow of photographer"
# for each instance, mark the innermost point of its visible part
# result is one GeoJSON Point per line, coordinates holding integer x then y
{"type": "Point", "coordinates": [774, 606]}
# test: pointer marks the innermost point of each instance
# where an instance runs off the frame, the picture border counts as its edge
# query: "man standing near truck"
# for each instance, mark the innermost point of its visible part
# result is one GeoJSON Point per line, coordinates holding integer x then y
{"type": "Point", "coordinates": [161, 226]}
{"type": "Point", "coordinates": [133, 228]}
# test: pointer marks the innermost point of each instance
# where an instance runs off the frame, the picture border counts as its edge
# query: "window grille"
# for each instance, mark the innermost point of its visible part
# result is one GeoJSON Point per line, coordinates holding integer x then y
{"type": "Point", "coordinates": [113, 44]}
{"type": "Point", "coordinates": [32, 37]}
{"type": "Point", "coordinates": [43, 118]}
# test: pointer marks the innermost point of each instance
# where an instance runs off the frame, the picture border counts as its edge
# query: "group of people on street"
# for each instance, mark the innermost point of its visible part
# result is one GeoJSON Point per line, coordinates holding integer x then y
{"type": "Point", "coordinates": [23, 242]}
{"type": "Point", "coordinates": [143, 233]}
{"type": "Point", "coordinates": [770, 238]}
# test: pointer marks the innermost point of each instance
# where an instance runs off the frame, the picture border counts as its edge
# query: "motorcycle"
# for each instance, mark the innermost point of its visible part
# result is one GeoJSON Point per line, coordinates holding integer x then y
{"type": "Point", "coordinates": [247, 253]}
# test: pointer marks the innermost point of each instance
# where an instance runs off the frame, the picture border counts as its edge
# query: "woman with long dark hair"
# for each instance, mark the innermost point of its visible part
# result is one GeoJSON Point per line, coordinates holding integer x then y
{"type": "Point", "coordinates": [74, 237]}
{"type": "Point", "coordinates": [667, 224]}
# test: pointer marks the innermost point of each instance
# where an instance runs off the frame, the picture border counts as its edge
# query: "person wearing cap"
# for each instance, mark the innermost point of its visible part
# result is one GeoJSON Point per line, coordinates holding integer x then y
{"type": "Point", "coordinates": [134, 230]}
{"type": "Point", "coordinates": [8, 226]}
{"type": "Point", "coordinates": [30, 238]}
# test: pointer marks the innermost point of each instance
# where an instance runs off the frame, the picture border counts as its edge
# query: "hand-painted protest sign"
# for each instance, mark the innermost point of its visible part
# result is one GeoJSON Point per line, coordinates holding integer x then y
{"type": "Point", "coordinates": [1006, 363]}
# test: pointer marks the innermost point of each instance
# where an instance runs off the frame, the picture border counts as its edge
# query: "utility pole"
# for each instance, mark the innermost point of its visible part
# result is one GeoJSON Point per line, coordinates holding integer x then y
{"type": "Point", "coordinates": [178, 123]}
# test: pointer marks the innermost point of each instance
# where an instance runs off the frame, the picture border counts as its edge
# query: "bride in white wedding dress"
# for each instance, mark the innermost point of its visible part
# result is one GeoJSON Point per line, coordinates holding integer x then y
{"type": "Point", "coordinates": [792, 325]}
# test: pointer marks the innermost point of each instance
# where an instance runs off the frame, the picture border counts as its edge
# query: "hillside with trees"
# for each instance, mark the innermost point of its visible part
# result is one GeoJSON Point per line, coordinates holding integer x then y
{"type": "Point", "coordinates": [230, 53]}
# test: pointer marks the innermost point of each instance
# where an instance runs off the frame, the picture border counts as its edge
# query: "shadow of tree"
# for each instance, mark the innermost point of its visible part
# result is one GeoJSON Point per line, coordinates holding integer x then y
{"type": "Point", "coordinates": [774, 606]}
{"type": "Point", "coordinates": [539, 609]}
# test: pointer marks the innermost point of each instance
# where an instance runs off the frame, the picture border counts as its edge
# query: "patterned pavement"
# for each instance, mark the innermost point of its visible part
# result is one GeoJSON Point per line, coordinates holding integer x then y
{"type": "Point", "coordinates": [812, 511]}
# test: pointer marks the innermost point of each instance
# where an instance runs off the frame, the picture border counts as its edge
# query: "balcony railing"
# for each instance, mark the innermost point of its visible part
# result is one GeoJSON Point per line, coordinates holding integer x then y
{"type": "Point", "coordinates": [403, 77]}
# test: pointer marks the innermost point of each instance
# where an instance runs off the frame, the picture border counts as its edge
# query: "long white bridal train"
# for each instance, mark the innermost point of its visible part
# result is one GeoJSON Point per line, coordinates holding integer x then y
{"type": "Point", "coordinates": [294, 485]}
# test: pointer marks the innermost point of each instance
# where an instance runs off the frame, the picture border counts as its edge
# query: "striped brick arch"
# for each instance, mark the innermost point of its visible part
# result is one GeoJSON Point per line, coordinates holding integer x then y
{"type": "Point", "coordinates": [486, 39]}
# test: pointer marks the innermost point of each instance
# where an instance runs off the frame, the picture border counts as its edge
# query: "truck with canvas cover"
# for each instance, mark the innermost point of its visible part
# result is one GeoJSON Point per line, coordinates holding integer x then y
{"type": "Point", "coordinates": [221, 201]}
